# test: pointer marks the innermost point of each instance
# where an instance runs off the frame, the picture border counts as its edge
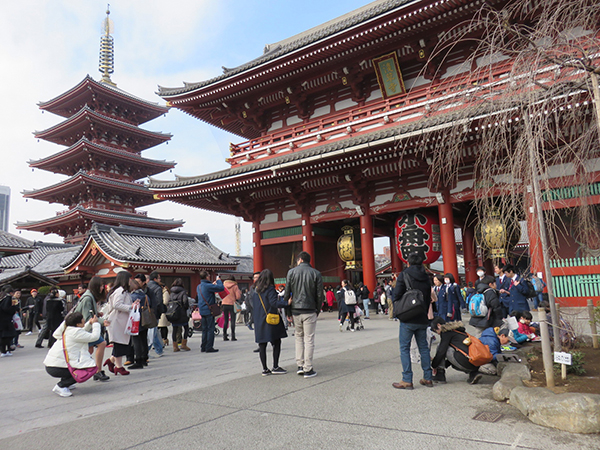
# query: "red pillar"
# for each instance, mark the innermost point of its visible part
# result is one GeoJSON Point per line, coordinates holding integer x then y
{"type": "Point", "coordinates": [396, 261]}
{"type": "Point", "coordinates": [308, 240]}
{"type": "Point", "coordinates": [447, 235]}
{"type": "Point", "coordinates": [470, 254]}
{"type": "Point", "coordinates": [257, 250]}
{"type": "Point", "coordinates": [368, 251]}
{"type": "Point", "coordinates": [341, 269]}
{"type": "Point", "coordinates": [536, 256]}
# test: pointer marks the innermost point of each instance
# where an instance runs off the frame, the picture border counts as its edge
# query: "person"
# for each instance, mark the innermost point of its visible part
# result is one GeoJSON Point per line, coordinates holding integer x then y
{"type": "Point", "coordinates": [120, 304]}
{"type": "Point", "coordinates": [8, 307]}
{"type": "Point", "coordinates": [525, 328]}
{"type": "Point", "coordinates": [37, 309]}
{"type": "Point", "coordinates": [480, 274]}
{"type": "Point", "coordinates": [267, 301]}
{"type": "Point", "coordinates": [281, 292]}
{"type": "Point", "coordinates": [15, 343]}
{"type": "Point", "coordinates": [163, 323]}
{"type": "Point", "coordinates": [249, 319]}
{"type": "Point", "coordinates": [140, 341]}
{"type": "Point", "coordinates": [77, 335]}
{"type": "Point", "coordinates": [347, 309]}
{"type": "Point", "coordinates": [30, 309]}
{"type": "Point", "coordinates": [452, 337]}
{"type": "Point", "coordinates": [539, 286]}
{"type": "Point", "coordinates": [471, 291]}
{"type": "Point", "coordinates": [228, 305]}
{"type": "Point", "coordinates": [438, 299]}
{"type": "Point", "coordinates": [493, 318]}
{"type": "Point", "coordinates": [416, 326]}
{"type": "Point", "coordinates": [364, 296]}
{"type": "Point", "coordinates": [453, 298]}
{"type": "Point", "coordinates": [180, 327]}
{"type": "Point", "coordinates": [502, 284]}
{"type": "Point", "coordinates": [43, 334]}
{"type": "Point", "coordinates": [330, 298]}
{"type": "Point", "coordinates": [387, 306]}
{"type": "Point", "coordinates": [55, 309]}
{"type": "Point", "coordinates": [516, 299]}
{"type": "Point", "coordinates": [304, 292]}
{"type": "Point", "coordinates": [156, 300]}
{"type": "Point", "coordinates": [206, 296]}
{"type": "Point", "coordinates": [495, 342]}
{"type": "Point", "coordinates": [88, 307]}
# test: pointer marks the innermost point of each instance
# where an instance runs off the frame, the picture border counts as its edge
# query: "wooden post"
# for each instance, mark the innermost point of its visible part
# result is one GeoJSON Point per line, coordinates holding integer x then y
{"type": "Point", "coordinates": [546, 348]}
{"type": "Point", "coordinates": [593, 327]}
{"type": "Point", "coordinates": [470, 255]}
{"type": "Point", "coordinates": [368, 252]}
{"type": "Point", "coordinates": [447, 234]}
{"type": "Point", "coordinates": [308, 241]}
{"type": "Point", "coordinates": [257, 252]}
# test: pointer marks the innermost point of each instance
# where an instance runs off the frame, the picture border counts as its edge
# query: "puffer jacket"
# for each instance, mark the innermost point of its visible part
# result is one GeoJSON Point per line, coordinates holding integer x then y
{"type": "Point", "coordinates": [234, 292]}
{"type": "Point", "coordinates": [77, 343]}
{"type": "Point", "coordinates": [490, 338]}
{"type": "Point", "coordinates": [305, 285]}
{"type": "Point", "coordinates": [452, 333]}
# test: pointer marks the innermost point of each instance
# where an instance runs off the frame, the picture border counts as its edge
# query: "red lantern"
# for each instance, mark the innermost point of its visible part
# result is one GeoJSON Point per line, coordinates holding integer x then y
{"type": "Point", "coordinates": [419, 232]}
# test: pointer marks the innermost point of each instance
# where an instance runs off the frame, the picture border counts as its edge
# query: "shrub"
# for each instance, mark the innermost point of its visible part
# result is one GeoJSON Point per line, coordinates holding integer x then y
{"type": "Point", "coordinates": [577, 363]}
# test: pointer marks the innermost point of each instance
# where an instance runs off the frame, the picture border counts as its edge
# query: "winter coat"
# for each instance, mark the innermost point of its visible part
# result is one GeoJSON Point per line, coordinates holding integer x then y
{"type": "Point", "coordinates": [418, 280]}
{"type": "Point", "coordinates": [450, 335]}
{"type": "Point", "coordinates": [452, 296]}
{"type": "Point", "coordinates": [77, 343]}
{"type": "Point", "coordinates": [263, 332]}
{"type": "Point", "coordinates": [503, 283]}
{"type": "Point", "coordinates": [87, 303]}
{"type": "Point", "coordinates": [7, 311]}
{"type": "Point", "coordinates": [234, 292]}
{"type": "Point", "coordinates": [493, 303]}
{"type": "Point", "coordinates": [330, 296]}
{"type": "Point", "coordinates": [305, 285]}
{"type": "Point", "coordinates": [179, 295]}
{"type": "Point", "coordinates": [54, 312]}
{"type": "Point", "coordinates": [344, 309]}
{"type": "Point", "coordinates": [517, 298]}
{"type": "Point", "coordinates": [206, 295]}
{"type": "Point", "coordinates": [364, 293]}
{"type": "Point", "coordinates": [525, 329]}
{"type": "Point", "coordinates": [490, 338]}
{"type": "Point", "coordinates": [163, 322]}
{"type": "Point", "coordinates": [119, 307]}
{"type": "Point", "coordinates": [155, 296]}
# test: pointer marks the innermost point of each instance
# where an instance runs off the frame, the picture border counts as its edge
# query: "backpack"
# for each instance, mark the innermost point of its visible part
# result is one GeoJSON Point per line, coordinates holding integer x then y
{"type": "Point", "coordinates": [412, 303]}
{"type": "Point", "coordinates": [531, 292]}
{"type": "Point", "coordinates": [479, 353]}
{"type": "Point", "coordinates": [175, 313]}
{"type": "Point", "coordinates": [349, 297]}
{"type": "Point", "coordinates": [477, 306]}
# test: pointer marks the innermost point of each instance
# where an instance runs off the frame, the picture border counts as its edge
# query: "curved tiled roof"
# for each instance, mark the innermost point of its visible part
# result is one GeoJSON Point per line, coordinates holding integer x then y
{"type": "Point", "coordinates": [276, 50]}
{"type": "Point", "coordinates": [42, 249]}
{"type": "Point", "coordinates": [8, 240]}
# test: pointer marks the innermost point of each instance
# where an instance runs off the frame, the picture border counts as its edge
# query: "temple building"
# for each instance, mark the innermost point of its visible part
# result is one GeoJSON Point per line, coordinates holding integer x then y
{"type": "Point", "coordinates": [340, 126]}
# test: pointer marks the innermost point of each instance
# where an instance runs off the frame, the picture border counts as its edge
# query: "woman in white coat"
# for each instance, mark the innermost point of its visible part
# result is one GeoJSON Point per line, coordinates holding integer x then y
{"type": "Point", "coordinates": [120, 304]}
{"type": "Point", "coordinates": [78, 336]}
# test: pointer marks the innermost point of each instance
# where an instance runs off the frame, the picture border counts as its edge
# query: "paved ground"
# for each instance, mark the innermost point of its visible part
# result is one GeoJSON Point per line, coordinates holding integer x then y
{"type": "Point", "coordinates": [220, 401]}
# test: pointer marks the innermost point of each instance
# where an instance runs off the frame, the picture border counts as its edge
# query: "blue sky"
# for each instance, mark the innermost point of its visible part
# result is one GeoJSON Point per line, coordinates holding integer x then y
{"type": "Point", "coordinates": [49, 46]}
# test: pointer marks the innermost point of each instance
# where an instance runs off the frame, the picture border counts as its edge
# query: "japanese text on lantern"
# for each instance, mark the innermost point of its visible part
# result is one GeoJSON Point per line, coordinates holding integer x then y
{"type": "Point", "coordinates": [419, 233]}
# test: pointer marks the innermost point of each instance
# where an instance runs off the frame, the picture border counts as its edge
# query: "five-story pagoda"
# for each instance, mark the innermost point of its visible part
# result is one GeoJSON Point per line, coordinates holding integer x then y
{"type": "Point", "coordinates": [103, 156]}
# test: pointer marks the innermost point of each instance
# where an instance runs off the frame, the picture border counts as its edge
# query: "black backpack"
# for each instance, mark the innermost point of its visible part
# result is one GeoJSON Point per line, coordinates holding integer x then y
{"type": "Point", "coordinates": [412, 303]}
{"type": "Point", "coordinates": [531, 292]}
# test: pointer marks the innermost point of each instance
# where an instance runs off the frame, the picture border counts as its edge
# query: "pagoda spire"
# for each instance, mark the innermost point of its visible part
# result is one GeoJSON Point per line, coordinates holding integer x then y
{"type": "Point", "coordinates": [107, 51]}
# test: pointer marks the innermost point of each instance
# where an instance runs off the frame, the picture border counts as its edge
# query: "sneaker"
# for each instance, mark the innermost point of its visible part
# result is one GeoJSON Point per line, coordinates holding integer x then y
{"type": "Point", "coordinates": [159, 355]}
{"type": "Point", "coordinates": [101, 376]}
{"type": "Point", "coordinates": [300, 371]}
{"type": "Point", "coordinates": [266, 372]}
{"type": "Point", "coordinates": [352, 329]}
{"type": "Point", "coordinates": [311, 373]}
{"type": "Point", "coordinates": [341, 327]}
{"type": "Point", "coordinates": [474, 378]}
{"type": "Point", "coordinates": [63, 392]}
{"type": "Point", "coordinates": [6, 354]}
{"type": "Point", "coordinates": [278, 371]}
{"type": "Point", "coordinates": [20, 346]}
{"type": "Point", "coordinates": [508, 348]}
{"type": "Point", "coordinates": [29, 333]}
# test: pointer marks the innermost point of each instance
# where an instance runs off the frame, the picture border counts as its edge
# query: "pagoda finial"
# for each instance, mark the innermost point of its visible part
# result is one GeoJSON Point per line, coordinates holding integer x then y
{"type": "Point", "coordinates": [107, 51]}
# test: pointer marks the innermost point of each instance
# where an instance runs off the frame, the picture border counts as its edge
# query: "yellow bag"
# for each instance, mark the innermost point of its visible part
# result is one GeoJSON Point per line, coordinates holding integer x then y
{"type": "Point", "coordinates": [272, 319]}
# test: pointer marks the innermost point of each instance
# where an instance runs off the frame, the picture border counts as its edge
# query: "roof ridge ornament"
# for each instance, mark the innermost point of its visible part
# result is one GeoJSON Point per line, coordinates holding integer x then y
{"type": "Point", "coordinates": [107, 50]}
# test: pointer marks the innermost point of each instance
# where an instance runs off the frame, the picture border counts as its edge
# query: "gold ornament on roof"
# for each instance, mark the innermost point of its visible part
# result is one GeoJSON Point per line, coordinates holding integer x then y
{"type": "Point", "coordinates": [107, 50]}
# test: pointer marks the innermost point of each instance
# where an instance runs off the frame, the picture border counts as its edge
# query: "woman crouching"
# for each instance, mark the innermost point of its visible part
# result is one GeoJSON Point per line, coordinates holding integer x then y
{"type": "Point", "coordinates": [77, 337]}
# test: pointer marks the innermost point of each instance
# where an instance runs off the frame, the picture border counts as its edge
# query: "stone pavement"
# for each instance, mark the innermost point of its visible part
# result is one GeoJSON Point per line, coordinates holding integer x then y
{"type": "Point", "coordinates": [220, 401]}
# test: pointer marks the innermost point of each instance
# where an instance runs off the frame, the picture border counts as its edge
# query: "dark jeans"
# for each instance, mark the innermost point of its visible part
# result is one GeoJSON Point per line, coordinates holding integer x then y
{"type": "Point", "coordinates": [140, 346]}
{"type": "Point", "coordinates": [419, 331]}
{"type": "Point", "coordinates": [208, 332]}
{"type": "Point", "coordinates": [66, 379]}
{"type": "Point", "coordinates": [262, 352]}
{"type": "Point", "coordinates": [5, 344]}
{"type": "Point", "coordinates": [229, 312]}
{"type": "Point", "coordinates": [43, 334]}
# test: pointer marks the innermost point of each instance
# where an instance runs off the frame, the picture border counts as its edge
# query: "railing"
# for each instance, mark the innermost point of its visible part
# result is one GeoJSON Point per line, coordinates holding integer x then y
{"type": "Point", "coordinates": [577, 286]}
{"type": "Point", "coordinates": [564, 193]}
{"type": "Point", "coordinates": [576, 280]}
{"type": "Point", "coordinates": [574, 262]}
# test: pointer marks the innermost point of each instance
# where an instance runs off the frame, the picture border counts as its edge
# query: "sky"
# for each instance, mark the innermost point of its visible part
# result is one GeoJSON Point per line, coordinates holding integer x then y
{"type": "Point", "coordinates": [49, 46]}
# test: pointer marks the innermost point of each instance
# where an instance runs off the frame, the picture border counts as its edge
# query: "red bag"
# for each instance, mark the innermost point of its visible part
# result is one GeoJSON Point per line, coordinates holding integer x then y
{"type": "Point", "coordinates": [224, 293]}
{"type": "Point", "coordinates": [79, 375]}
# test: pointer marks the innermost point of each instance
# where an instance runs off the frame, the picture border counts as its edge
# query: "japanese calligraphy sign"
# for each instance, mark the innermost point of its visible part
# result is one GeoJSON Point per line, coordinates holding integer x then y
{"type": "Point", "coordinates": [389, 76]}
{"type": "Point", "coordinates": [419, 232]}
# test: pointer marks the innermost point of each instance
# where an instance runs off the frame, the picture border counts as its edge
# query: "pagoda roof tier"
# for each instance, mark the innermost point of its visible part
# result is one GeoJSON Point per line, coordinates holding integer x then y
{"type": "Point", "coordinates": [86, 155]}
{"type": "Point", "coordinates": [77, 188]}
{"type": "Point", "coordinates": [295, 67]}
{"type": "Point", "coordinates": [138, 247]}
{"type": "Point", "coordinates": [13, 245]}
{"type": "Point", "coordinates": [73, 221]}
{"type": "Point", "coordinates": [91, 92]}
{"type": "Point", "coordinates": [96, 127]}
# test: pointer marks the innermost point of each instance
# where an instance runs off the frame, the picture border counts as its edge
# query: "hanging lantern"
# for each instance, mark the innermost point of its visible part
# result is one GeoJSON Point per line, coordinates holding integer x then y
{"type": "Point", "coordinates": [348, 251]}
{"type": "Point", "coordinates": [498, 234]}
{"type": "Point", "coordinates": [419, 232]}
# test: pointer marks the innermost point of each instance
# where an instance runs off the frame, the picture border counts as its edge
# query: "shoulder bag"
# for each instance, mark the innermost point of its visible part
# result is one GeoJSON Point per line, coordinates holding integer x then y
{"type": "Point", "coordinates": [80, 375]}
{"type": "Point", "coordinates": [271, 319]}
{"type": "Point", "coordinates": [148, 319]}
{"type": "Point", "coordinates": [215, 309]}
{"type": "Point", "coordinates": [479, 353]}
{"type": "Point", "coordinates": [411, 304]}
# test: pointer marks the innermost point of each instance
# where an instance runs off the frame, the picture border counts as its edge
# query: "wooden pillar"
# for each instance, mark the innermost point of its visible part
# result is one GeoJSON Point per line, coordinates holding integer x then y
{"type": "Point", "coordinates": [341, 270]}
{"type": "Point", "coordinates": [470, 254]}
{"type": "Point", "coordinates": [257, 250]}
{"type": "Point", "coordinates": [395, 258]}
{"type": "Point", "coordinates": [368, 251]}
{"type": "Point", "coordinates": [536, 256]}
{"type": "Point", "coordinates": [308, 240]}
{"type": "Point", "coordinates": [447, 235]}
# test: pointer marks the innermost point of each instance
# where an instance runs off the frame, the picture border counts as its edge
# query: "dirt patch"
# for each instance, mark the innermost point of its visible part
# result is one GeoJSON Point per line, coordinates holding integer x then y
{"type": "Point", "coordinates": [588, 383]}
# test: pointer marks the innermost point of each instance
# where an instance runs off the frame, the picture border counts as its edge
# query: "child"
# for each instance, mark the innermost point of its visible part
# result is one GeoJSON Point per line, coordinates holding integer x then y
{"type": "Point", "coordinates": [525, 328]}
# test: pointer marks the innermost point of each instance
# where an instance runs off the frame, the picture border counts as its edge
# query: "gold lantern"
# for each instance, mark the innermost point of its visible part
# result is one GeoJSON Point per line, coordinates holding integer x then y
{"type": "Point", "coordinates": [347, 249]}
{"type": "Point", "coordinates": [498, 234]}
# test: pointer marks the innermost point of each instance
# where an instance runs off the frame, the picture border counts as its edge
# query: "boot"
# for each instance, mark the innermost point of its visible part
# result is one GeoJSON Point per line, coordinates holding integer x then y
{"type": "Point", "coordinates": [184, 346]}
{"type": "Point", "coordinates": [440, 376]}
{"type": "Point", "coordinates": [225, 338]}
{"type": "Point", "coordinates": [175, 347]}
{"type": "Point", "coordinates": [233, 336]}
{"type": "Point", "coordinates": [165, 342]}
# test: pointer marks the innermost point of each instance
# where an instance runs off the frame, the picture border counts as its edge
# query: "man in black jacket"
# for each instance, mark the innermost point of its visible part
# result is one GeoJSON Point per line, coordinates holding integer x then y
{"type": "Point", "coordinates": [416, 326]}
{"type": "Point", "coordinates": [305, 287]}
{"type": "Point", "coordinates": [156, 297]}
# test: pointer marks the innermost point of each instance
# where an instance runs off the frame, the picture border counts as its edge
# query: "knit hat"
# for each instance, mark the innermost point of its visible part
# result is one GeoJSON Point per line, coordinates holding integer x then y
{"type": "Point", "coordinates": [33, 290]}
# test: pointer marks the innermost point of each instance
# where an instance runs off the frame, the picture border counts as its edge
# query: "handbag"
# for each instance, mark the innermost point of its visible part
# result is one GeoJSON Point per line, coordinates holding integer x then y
{"type": "Point", "coordinates": [148, 317]}
{"type": "Point", "coordinates": [215, 309]}
{"type": "Point", "coordinates": [271, 319]}
{"type": "Point", "coordinates": [479, 353]}
{"type": "Point", "coordinates": [133, 322]}
{"type": "Point", "coordinates": [17, 322]}
{"type": "Point", "coordinates": [196, 315]}
{"type": "Point", "coordinates": [236, 307]}
{"type": "Point", "coordinates": [79, 375]}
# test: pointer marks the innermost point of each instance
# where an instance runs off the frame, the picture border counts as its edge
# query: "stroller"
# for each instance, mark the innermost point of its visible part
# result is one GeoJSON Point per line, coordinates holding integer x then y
{"type": "Point", "coordinates": [196, 324]}
{"type": "Point", "coordinates": [358, 322]}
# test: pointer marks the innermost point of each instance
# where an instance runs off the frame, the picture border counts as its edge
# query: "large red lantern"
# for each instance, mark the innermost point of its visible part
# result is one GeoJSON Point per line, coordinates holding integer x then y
{"type": "Point", "coordinates": [418, 232]}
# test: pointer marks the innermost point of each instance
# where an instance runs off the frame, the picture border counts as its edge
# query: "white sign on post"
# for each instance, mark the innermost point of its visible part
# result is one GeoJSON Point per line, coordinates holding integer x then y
{"type": "Point", "coordinates": [562, 358]}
